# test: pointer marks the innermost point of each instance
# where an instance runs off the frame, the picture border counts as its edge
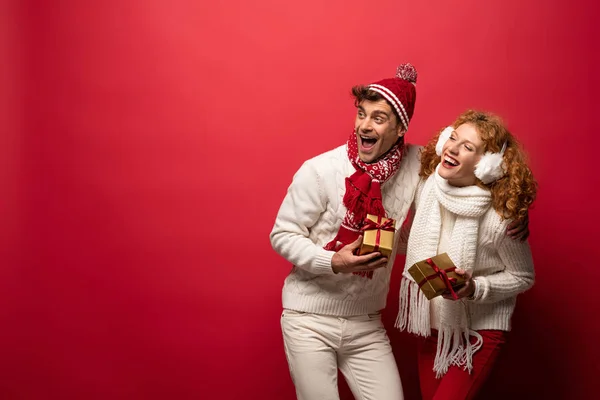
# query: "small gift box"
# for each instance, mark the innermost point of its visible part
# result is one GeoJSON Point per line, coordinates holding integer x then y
{"type": "Point", "coordinates": [378, 235]}
{"type": "Point", "coordinates": [435, 275]}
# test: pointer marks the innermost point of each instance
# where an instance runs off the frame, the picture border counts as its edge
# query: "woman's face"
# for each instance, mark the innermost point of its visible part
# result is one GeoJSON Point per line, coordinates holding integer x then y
{"type": "Point", "coordinates": [460, 154]}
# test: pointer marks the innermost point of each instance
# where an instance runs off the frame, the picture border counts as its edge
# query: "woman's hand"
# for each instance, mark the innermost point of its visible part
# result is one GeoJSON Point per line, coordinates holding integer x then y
{"type": "Point", "coordinates": [466, 290]}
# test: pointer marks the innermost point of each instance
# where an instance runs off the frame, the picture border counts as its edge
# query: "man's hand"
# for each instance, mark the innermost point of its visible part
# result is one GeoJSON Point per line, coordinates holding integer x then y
{"type": "Point", "coordinates": [344, 261]}
{"type": "Point", "coordinates": [466, 290]}
{"type": "Point", "coordinates": [519, 229]}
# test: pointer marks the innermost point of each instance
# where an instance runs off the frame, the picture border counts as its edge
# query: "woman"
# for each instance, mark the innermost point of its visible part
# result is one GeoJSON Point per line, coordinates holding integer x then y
{"type": "Point", "coordinates": [475, 182]}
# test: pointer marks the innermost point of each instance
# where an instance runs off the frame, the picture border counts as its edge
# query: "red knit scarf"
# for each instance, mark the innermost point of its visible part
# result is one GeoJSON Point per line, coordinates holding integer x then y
{"type": "Point", "coordinates": [363, 191]}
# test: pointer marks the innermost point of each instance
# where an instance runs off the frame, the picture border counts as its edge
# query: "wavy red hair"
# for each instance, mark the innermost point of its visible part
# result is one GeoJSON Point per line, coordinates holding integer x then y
{"type": "Point", "coordinates": [513, 194]}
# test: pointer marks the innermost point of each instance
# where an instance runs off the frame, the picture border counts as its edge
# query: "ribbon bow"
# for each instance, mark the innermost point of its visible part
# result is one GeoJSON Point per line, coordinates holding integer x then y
{"type": "Point", "coordinates": [441, 273]}
{"type": "Point", "coordinates": [369, 224]}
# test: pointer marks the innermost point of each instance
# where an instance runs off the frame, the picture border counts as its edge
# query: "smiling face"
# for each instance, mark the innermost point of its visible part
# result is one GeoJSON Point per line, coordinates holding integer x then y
{"type": "Point", "coordinates": [377, 129]}
{"type": "Point", "coordinates": [460, 155]}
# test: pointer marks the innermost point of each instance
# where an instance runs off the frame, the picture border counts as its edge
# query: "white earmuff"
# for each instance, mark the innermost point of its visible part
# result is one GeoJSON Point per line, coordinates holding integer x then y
{"type": "Point", "coordinates": [444, 136]}
{"type": "Point", "coordinates": [490, 168]}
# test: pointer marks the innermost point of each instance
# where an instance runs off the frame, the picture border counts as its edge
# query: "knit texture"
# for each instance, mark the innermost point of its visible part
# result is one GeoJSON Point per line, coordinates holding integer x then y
{"type": "Point", "coordinates": [400, 91]}
{"type": "Point", "coordinates": [363, 193]}
{"type": "Point", "coordinates": [474, 237]}
{"type": "Point", "coordinates": [310, 216]}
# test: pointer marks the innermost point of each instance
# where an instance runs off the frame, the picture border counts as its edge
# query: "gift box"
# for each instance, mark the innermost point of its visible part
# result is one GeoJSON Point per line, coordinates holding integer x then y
{"type": "Point", "coordinates": [435, 275]}
{"type": "Point", "coordinates": [378, 235]}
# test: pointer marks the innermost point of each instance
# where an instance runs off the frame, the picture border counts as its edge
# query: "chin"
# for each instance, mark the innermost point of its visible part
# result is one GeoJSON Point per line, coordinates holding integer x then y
{"type": "Point", "coordinates": [443, 173]}
{"type": "Point", "coordinates": [366, 158]}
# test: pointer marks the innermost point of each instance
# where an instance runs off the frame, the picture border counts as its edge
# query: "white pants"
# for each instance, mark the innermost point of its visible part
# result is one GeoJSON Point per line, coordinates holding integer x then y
{"type": "Point", "coordinates": [317, 345]}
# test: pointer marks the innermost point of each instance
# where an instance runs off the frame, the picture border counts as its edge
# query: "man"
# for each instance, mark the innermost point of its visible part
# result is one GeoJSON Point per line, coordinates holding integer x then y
{"type": "Point", "coordinates": [332, 297]}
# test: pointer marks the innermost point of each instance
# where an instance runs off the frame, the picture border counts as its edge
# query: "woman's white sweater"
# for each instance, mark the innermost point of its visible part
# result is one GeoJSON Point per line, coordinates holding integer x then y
{"type": "Point", "coordinates": [503, 268]}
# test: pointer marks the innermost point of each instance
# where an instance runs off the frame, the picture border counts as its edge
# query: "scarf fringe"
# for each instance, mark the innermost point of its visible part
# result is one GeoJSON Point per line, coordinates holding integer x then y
{"type": "Point", "coordinates": [377, 207]}
{"type": "Point", "coordinates": [414, 309]}
{"type": "Point", "coordinates": [364, 274]}
{"type": "Point", "coordinates": [352, 198]}
{"type": "Point", "coordinates": [454, 347]}
{"type": "Point", "coordinates": [361, 203]}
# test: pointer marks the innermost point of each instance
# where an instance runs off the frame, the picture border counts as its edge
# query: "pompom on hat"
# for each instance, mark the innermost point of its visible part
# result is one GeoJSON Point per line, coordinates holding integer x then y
{"type": "Point", "coordinates": [400, 91]}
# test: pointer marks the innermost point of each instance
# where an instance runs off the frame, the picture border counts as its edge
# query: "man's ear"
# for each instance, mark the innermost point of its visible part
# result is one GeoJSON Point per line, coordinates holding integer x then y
{"type": "Point", "coordinates": [400, 130]}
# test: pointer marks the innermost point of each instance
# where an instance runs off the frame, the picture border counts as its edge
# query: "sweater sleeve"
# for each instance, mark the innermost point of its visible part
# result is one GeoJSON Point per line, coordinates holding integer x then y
{"type": "Point", "coordinates": [302, 206]}
{"type": "Point", "coordinates": [517, 276]}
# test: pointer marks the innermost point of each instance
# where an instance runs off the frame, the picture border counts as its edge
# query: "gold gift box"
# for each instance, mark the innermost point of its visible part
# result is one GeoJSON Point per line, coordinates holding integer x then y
{"type": "Point", "coordinates": [435, 286]}
{"type": "Point", "coordinates": [386, 238]}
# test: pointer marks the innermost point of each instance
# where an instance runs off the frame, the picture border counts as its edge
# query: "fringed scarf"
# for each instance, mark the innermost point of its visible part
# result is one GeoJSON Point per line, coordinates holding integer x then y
{"type": "Point", "coordinates": [363, 192]}
{"type": "Point", "coordinates": [454, 336]}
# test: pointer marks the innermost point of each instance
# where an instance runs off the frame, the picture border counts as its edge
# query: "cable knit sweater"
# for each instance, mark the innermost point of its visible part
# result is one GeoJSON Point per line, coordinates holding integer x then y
{"type": "Point", "coordinates": [310, 216]}
{"type": "Point", "coordinates": [503, 268]}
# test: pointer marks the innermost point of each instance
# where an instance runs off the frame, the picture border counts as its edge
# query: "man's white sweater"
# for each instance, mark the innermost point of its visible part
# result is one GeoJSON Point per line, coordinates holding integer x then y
{"type": "Point", "coordinates": [310, 217]}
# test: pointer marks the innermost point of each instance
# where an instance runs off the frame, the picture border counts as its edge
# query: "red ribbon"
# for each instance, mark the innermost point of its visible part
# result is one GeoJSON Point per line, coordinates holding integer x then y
{"type": "Point", "coordinates": [369, 225]}
{"type": "Point", "coordinates": [441, 273]}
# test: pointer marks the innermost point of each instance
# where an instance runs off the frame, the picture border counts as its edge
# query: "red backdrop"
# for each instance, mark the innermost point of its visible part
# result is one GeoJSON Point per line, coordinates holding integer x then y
{"type": "Point", "coordinates": [147, 146]}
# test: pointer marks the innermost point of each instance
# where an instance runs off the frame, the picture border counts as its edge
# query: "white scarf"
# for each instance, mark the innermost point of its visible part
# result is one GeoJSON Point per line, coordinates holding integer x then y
{"type": "Point", "coordinates": [469, 204]}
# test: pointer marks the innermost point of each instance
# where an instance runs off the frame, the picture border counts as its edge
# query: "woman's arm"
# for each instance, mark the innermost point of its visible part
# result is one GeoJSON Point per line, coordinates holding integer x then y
{"type": "Point", "coordinates": [517, 277]}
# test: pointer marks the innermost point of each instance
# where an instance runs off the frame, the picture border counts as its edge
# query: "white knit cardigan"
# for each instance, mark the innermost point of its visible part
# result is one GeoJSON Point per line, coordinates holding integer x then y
{"type": "Point", "coordinates": [310, 217]}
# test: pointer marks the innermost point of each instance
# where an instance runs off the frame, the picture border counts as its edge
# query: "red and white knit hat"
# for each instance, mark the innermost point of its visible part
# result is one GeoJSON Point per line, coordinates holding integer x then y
{"type": "Point", "coordinates": [400, 91]}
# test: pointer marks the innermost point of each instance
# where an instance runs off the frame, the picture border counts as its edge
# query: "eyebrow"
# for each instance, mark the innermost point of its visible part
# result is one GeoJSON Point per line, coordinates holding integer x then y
{"type": "Point", "coordinates": [377, 112]}
{"type": "Point", "coordinates": [466, 140]}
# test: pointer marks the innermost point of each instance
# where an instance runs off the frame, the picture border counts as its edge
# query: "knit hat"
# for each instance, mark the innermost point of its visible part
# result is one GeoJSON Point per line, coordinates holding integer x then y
{"type": "Point", "coordinates": [400, 91]}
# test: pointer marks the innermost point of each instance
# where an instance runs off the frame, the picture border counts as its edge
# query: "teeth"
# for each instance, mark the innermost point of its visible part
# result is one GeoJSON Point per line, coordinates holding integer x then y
{"type": "Point", "coordinates": [450, 161]}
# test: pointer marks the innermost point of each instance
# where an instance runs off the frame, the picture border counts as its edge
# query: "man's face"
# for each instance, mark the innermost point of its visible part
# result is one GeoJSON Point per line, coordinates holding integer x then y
{"type": "Point", "coordinates": [376, 129]}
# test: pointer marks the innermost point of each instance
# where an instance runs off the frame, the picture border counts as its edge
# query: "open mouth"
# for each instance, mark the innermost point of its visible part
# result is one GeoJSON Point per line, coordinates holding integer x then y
{"type": "Point", "coordinates": [450, 162]}
{"type": "Point", "coordinates": [366, 142]}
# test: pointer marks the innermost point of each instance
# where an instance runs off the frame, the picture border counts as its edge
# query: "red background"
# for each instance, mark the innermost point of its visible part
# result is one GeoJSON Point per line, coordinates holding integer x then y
{"type": "Point", "coordinates": [146, 147]}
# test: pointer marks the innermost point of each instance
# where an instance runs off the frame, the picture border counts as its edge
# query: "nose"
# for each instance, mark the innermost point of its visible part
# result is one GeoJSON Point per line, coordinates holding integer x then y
{"type": "Point", "coordinates": [452, 148]}
{"type": "Point", "coordinates": [365, 125]}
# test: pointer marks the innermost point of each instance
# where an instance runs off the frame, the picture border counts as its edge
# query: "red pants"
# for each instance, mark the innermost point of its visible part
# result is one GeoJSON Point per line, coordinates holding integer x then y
{"type": "Point", "coordinates": [458, 384]}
